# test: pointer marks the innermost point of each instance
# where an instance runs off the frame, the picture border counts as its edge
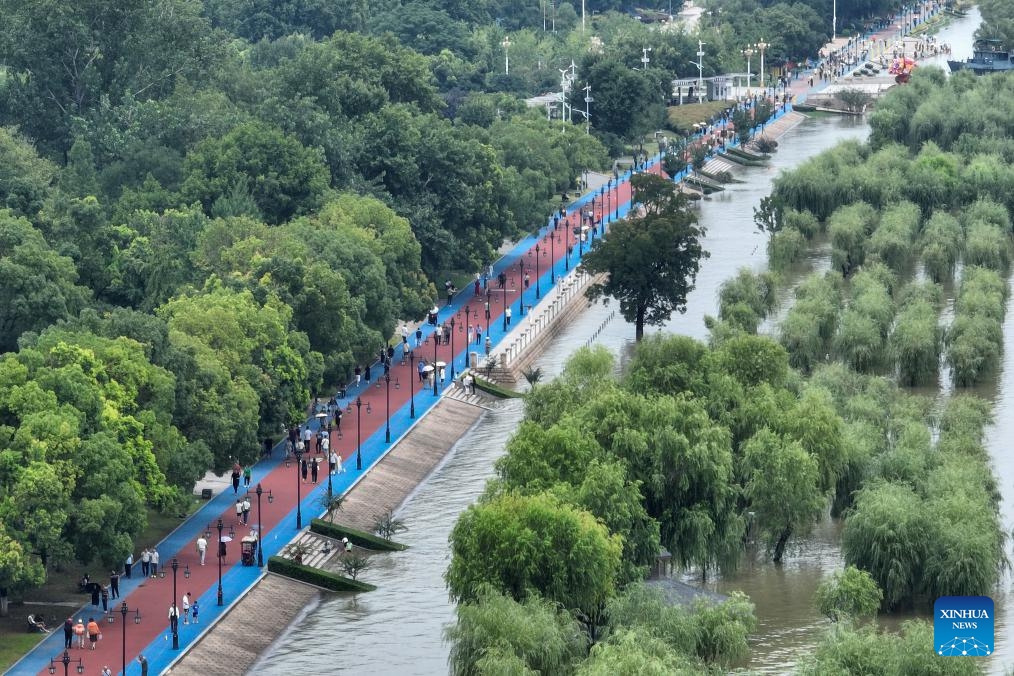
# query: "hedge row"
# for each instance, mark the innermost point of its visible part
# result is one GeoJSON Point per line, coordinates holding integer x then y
{"type": "Point", "coordinates": [316, 576]}
{"type": "Point", "coordinates": [356, 537]}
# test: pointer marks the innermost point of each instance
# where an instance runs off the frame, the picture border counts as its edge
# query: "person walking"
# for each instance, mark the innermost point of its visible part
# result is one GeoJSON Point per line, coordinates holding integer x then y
{"type": "Point", "coordinates": [154, 562]}
{"type": "Point", "coordinates": [145, 562]}
{"type": "Point", "coordinates": [404, 333]}
{"type": "Point", "coordinates": [239, 509]}
{"type": "Point", "coordinates": [96, 590]}
{"type": "Point", "coordinates": [478, 335]}
{"type": "Point", "coordinates": [325, 445]}
{"type": "Point", "coordinates": [307, 435]}
{"type": "Point", "coordinates": [202, 547]}
{"type": "Point", "coordinates": [247, 475]}
{"type": "Point", "coordinates": [114, 585]}
{"type": "Point", "coordinates": [507, 316]}
{"type": "Point", "coordinates": [186, 608]}
{"type": "Point", "coordinates": [321, 433]}
{"type": "Point", "coordinates": [418, 336]}
{"type": "Point", "coordinates": [489, 346]}
{"type": "Point", "coordinates": [471, 334]}
{"type": "Point", "coordinates": [438, 333]}
{"type": "Point", "coordinates": [79, 632]}
{"type": "Point", "coordinates": [338, 418]}
{"type": "Point", "coordinates": [486, 307]}
{"type": "Point", "coordinates": [304, 469]}
{"type": "Point", "coordinates": [194, 609]}
{"type": "Point", "coordinates": [93, 632]}
{"type": "Point", "coordinates": [144, 665]}
{"type": "Point", "coordinates": [422, 369]}
{"type": "Point", "coordinates": [128, 565]}
{"type": "Point", "coordinates": [313, 471]}
{"type": "Point", "coordinates": [246, 511]}
{"type": "Point", "coordinates": [68, 633]}
{"type": "Point", "coordinates": [336, 463]}
{"type": "Point", "coordinates": [359, 374]}
{"type": "Point", "coordinates": [105, 599]}
{"type": "Point", "coordinates": [106, 671]}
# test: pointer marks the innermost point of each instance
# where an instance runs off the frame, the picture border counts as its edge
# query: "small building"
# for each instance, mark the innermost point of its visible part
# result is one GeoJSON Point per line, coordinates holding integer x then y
{"type": "Point", "coordinates": [715, 88]}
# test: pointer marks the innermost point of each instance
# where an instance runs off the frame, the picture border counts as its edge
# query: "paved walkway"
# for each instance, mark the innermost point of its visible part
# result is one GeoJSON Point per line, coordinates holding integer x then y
{"type": "Point", "coordinates": [361, 443]}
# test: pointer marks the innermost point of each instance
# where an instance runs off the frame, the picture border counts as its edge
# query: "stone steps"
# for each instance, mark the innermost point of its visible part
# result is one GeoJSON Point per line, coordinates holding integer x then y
{"type": "Point", "coordinates": [458, 393]}
{"type": "Point", "coordinates": [322, 549]}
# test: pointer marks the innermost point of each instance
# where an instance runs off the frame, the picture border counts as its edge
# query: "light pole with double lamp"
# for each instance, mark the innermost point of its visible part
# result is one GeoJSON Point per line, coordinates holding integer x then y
{"type": "Point", "coordinates": [387, 428]}
{"type": "Point", "coordinates": [299, 491]}
{"type": "Point", "coordinates": [260, 526]}
{"type": "Point", "coordinates": [435, 341]}
{"type": "Point", "coordinates": [504, 310]}
{"type": "Point", "coordinates": [137, 620]}
{"type": "Point", "coordinates": [552, 258]}
{"type": "Point", "coordinates": [521, 285]}
{"type": "Point", "coordinates": [221, 545]}
{"type": "Point", "coordinates": [175, 625]}
{"type": "Point", "coordinates": [452, 348]}
{"type": "Point", "coordinates": [411, 384]}
{"type": "Point", "coordinates": [65, 660]}
{"type": "Point", "coordinates": [359, 433]}
{"type": "Point", "coordinates": [538, 287]}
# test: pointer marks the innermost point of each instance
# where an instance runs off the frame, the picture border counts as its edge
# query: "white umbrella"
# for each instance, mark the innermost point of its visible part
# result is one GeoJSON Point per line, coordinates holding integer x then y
{"type": "Point", "coordinates": [427, 368]}
{"type": "Point", "coordinates": [321, 415]}
{"type": "Point", "coordinates": [441, 364]}
{"type": "Point", "coordinates": [226, 538]}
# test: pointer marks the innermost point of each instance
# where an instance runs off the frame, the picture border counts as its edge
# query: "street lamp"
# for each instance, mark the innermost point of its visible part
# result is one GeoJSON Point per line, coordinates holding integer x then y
{"type": "Point", "coordinates": [221, 599]}
{"type": "Point", "coordinates": [452, 349]}
{"type": "Point", "coordinates": [538, 286]}
{"type": "Point", "coordinates": [566, 257]}
{"type": "Point", "coordinates": [411, 384]}
{"type": "Point", "coordinates": [761, 46]}
{"type": "Point", "coordinates": [260, 527]}
{"type": "Point", "coordinates": [553, 257]}
{"type": "Point", "coordinates": [504, 314]}
{"type": "Point", "coordinates": [506, 55]}
{"type": "Point", "coordinates": [65, 660]}
{"type": "Point", "coordinates": [174, 621]}
{"type": "Point", "coordinates": [299, 490]}
{"type": "Point", "coordinates": [435, 363]}
{"type": "Point", "coordinates": [359, 434]}
{"type": "Point", "coordinates": [137, 620]}
{"type": "Point", "coordinates": [521, 277]}
{"type": "Point", "coordinates": [387, 429]}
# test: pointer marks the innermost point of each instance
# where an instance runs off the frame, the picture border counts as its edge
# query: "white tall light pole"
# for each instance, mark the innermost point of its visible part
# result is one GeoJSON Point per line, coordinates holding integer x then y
{"type": "Point", "coordinates": [582, 16]}
{"type": "Point", "coordinates": [700, 71]}
{"type": "Point", "coordinates": [644, 58]}
{"type": "Point", "coordinates": [834, 19]}
{"type": "Point", "coordinates": [506, 55]}
{"type": "Point", "coordinates": [587, 110]}
{"type": "Point", "coordinates": [761, 46]}
{"type": "Point", "coordinates": [748, 52]}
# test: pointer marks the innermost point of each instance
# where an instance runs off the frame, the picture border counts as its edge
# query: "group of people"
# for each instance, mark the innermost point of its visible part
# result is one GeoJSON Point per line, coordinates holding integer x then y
{"type": "Point", "coordinates": [240, 471]}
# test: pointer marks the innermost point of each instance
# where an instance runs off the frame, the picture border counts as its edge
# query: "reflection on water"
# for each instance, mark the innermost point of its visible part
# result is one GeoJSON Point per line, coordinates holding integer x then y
{"type": "Point", "coordinates": [399, 627]}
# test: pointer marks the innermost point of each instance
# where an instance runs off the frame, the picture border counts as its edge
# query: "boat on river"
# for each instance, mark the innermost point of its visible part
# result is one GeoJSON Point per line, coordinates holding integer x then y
{"type": "Point", "coordinates": [988, 56]}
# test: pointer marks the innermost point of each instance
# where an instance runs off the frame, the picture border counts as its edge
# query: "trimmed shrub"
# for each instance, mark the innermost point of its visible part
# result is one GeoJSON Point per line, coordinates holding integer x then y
{"type": "Point", "coordinates": [316, 577]}
{"type": "Point", "coordinates": [356, 537]}
{"type": "Point", "coordinates": [942, 242]}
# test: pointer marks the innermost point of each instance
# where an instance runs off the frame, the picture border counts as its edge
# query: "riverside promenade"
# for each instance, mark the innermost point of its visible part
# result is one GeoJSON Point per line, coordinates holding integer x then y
{"type": "Point", "coordinates": [385, 410]}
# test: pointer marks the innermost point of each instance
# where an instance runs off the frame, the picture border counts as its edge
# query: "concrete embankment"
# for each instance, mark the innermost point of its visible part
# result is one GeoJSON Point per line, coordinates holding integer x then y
{"type": "Point", "coordinates": [241, 636]}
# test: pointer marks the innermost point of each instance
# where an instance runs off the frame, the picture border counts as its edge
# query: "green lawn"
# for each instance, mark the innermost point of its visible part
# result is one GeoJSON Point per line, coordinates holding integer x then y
{"type": "Point", "coordinates": [682, 118]}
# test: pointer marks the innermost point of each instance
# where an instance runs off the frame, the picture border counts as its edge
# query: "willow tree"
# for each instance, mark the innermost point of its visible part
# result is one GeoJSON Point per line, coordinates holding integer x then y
{"type": "Point", "coordinates": [650, 263]}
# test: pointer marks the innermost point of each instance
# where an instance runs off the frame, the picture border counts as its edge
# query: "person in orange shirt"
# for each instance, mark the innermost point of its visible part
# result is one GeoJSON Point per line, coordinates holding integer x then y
{"type": "Point", "coordinates": [93, 631]}
{"type": "Point", "coordinates": [79, 631]}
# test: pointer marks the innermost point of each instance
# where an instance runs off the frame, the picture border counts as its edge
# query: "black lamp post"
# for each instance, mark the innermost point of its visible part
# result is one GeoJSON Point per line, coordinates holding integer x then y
{"type": "Point", "coordinates": [387, 430]}
{"type": "Point", "coordinates": [221, 599]}
{"type": "Point", "coordinates": [538, 287]}
{"type": "Point", "coordinates": [299, 490]}
{"type": "Point", "coordinates": [137, 620]}
{"type": "Point", "coordinates": [435, 341]}
{"type": "Point", "coordinates": [521, 267]}
{"type": "Point", "coordinates": [566, 258]}
{"type": "Point", "coordinates": [504, 309]}
{"type": "Point", "coordinates": [174, 621]}
{"type": "Point", "coordinates": [552, 258]}
{"type": "Point", "coordinates": [411, 384]}
{"type": "Point", "coordinates": [359, 434]}
{"type": "Point", "coordinates": [452, 349]}
{"type": "Point", "coordinates": [260, 527]}
{"type": "Point", "coordinates": [65, 660]}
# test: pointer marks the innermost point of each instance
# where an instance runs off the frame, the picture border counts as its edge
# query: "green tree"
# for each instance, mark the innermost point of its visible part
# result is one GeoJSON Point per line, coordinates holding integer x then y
{"type": "Point", "coordinates": [25, 178]}
{"type": "Point", "coordinates": [783, 488]}
{"type": "Point", "coordinates": [536, 633]}
{"type": "Point", "coordinates": [525, 544]}
{"type": "Point", "coordinates": [848, 594]}
{"type": "Point", "coordinates": [17, 568]}
{"type": "Point", "coordinates": [285, 178]}
{"type": "Point", "coordinates": [651, 263]}
{"type": "Point", "coordinates": [38, 285]}
{"type": "Point", "coordinates": [636, 652]}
